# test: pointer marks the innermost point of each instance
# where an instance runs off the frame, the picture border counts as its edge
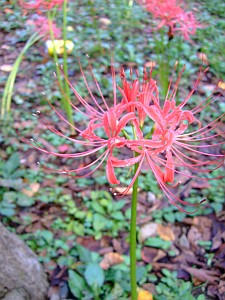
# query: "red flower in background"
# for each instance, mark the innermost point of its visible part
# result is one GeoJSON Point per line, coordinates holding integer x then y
{"type": "Point", "coordinates": [172, 146]}
{"type": "Point", "coordinates": [43, 26]}
{"type": "Point", "coordinates": [171, 14]}
{"type": "Point", "coordinates": [39, 5]}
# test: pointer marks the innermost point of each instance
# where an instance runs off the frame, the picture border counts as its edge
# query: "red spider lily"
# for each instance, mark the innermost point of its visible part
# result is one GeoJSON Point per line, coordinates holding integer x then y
{"type": "Point", "coordinates": [144, 92]}
{"type": "Point", "coordinates": [40, 5]}
{"type": "Point", "coordinates": [43, 26]}
{"type": "Point", "coordinates": [110, 120]}
{"type": "Point", "coordinates": [173, 146]}
{"type": "Point", "coordinates": [176, 150]}
{"type": "Point", "coordinates": [171, 14]}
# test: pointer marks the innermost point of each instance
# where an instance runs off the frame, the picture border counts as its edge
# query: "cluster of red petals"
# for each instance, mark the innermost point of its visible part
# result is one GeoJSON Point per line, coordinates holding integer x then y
{"type": "Point", "coordinates": [43, 26]}
{"type": "Point", "coordinates": [40, 5]}
{"type": "Point", "coordinates": [171, 14]}
{"type": "Point", "coordinates": [169, 148]}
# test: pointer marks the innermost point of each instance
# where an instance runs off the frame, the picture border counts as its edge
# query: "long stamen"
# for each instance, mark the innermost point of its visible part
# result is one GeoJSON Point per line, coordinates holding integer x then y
{"type": "Point", "coordinates": [89, 90]}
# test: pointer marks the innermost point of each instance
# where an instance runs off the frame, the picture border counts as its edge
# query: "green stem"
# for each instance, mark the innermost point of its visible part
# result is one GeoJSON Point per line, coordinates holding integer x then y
{"type": "Point", "coordinates": [133, 237]}
{"type": "Point", "coordinates": [8, 90]}
{"type": "Point", "coordinates": [55, 56]}
{"type": "Point", "coordinates": [65, 66]}
{"type": "Point", "coordinates": [65, 99]}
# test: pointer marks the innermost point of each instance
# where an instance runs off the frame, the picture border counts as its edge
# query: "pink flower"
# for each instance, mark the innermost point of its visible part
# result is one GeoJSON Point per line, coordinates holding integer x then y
{"type": "Point", "coordinates": [39, 5]}
{"type": "Point", "coordinates": [43, 26]}
{"type": "Point", "coordinates": [171, 14]}
{"type": "Point", "coordinates": [172, 146]}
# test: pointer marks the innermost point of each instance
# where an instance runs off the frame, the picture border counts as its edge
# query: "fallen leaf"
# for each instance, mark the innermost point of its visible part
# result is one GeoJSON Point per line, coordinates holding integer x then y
{"type": "Point", "coordinates": [165, 233]}
{"type": "Point", "coordinates": [105, 21]}
{"type": "Point", "coordinates": [120, 190]}
{"type": "Point", "coordinates": [202, 274]}
{"type": "Point", "coordinates": [32, 189]}
{"type": "Point", "coordinates": [221, 85]}
{"type": "Point", "coordinates": [111, 259]}
{"type": "Point", "coordinates": [200, 230]}
{"type": "Point", "coordinates": [6, 68]}
{"type": "Point", "coordinates": [144, 295]}
{"type": "Point", "coordinates": [90, 243]}
{"type": "Point", "coordinates": [221, 287]}
{"type": "Point", "coordinates": [150, 255]}
{"type": "Point", "coordinates": [148, 230]}
{"type": "Point", "coordinates": [6, 47]}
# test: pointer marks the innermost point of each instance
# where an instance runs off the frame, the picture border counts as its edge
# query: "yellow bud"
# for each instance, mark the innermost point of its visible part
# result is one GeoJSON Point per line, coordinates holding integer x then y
{"type": "Point", "coordinates": [58, 46]}
{"type": "Point", "coordinates": [144, 295]}
{"type": "Point", "coordinates": [69, 28]}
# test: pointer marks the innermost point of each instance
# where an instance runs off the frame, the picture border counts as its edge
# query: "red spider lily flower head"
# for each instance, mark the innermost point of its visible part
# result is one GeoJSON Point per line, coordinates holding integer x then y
{"type": "Point", "coordinates": [172, 146]}
{"type": "Point", "coordinates": [171, 14]}
{"type": "Point", "coordinates": [40, 5]}
{"type": "Point", "coordinates": [43, 26]}
{"type": "Point", "coordinates": [176, 146]}
{"type": "Point", "coordinates": [110, 120]}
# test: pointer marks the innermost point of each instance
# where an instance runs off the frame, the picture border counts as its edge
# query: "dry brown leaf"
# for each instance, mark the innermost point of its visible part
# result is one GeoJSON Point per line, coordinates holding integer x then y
{"type": "Point", "coordinates": [119, 190]}
{"type": "Point", "coordinates": [105, 21]}
{"type": "Point", "coordinates": [150, 255]}
{"type": "Point", "coordinates": [144, 295]}
{"type": "Point", "coordinates": [202, 274]}
{"type": "Point", "coordinates": [32, 189]}
{"type": "Point", "coordinates": [111, 259]}
{"type": "Point", "coordinates": [165, 233]}
{"type": "Point", "coordinates": [221, 85]}
{"type": "Point", "coordinates": [148, 230]}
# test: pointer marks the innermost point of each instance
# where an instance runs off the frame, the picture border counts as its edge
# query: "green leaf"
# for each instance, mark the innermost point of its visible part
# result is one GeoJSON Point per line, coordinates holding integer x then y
{"type": "Point", "coordinates": [116, 293]}
{"type": "Point", "coordinates": [8, 210]}
{"type": "Point", "coordinates": [15, 184]}
{"type": "Point", "coordinates": [97, 207]}
{"type": "Point", "coordinates": [78, 228]}
{"type": "Point", "coordinates": [158, 243]}
{"type": "Point", "coordinates": [9, 197]}
{"type": "Point", "coordinates": [170, 217]}
{"type": "Point", "coordinates": [201, 297]}
{"type": "Point", "coordinates": [94, 275]}
{"type": "Point", "coordinates": [12, 164]}
{"type": "Point", "coordinates": [118, 215]}
{"type": "Point", "coordinates": [24, 200]}
{"type": "Point", "coordinates": [119, 204]}
{"type": "Point", "coordinates": [47, 235]}
{"type": "Point", "coordinates": [99, 222]}
{"type": "Point", "coordinates": [76, 284]}
{"type": "Point", "coordinates": [84, 254]}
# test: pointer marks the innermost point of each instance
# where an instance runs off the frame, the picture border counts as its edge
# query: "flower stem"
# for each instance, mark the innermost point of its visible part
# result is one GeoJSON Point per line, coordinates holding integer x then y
{"type": "Point", "coordinates": [8, 90]}
{"type": "Point", "coordinates": [65, 67]}
{"type": "Point", "coordinates": [65, 101]}
{"type": "Point", "coordinates": [133, 238]}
